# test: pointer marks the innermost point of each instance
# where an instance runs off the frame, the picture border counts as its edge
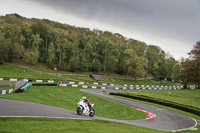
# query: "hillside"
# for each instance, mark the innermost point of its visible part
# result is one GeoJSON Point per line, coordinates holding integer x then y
{"type": "Point", "coordinates": [80, 50]}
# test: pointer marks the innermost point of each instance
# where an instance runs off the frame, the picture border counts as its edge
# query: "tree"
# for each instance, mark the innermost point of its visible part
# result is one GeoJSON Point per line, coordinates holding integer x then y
{"type": "Point", "coordinates": [195, 57]}
{"type": "Point", "coordinates": [80, 49]}
{"type": "Point", "coordinates": [190, 67]}
{"type": "Point", "coordinates": [51, 55]}
{"type": "Point", "coordinates": [169, 65]}
{"type": "Point", "coordinates": [130, 60]}
{"type": "Point", "coordinates": [4, 49]}
{"type": "Point", "coordinates": [141, 67]}
{"type": "Point", "coordinates": [176, 72]}
{"type": "Point", "coordinates": [17, 50]}
{"type": "Point", "coordinates": [109, 51]}
{"type": "Point", "coordinates": [31, 56]}
{"type": "Point", "coordinates": [155, 56]}
{"type": "Point", "coordinates": [187, 72]}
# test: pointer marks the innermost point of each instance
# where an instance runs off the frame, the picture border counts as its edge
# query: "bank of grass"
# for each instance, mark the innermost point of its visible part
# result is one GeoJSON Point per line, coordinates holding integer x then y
{"type": "Point", "coordinates": [16, 72]}
{"type": "Point", "coordinates": [161, 106]}
{"type": "Point", "coordinates": [7, 70]}
{"type": "Point", "coordinates": [43, 67]}
{"type": "Point", "coordinates": [144, 82]}
{"type": "Point", "coordinates": [44, 125]}
{"type": "Point", "coordinates": [68, 97]}
{"type": "Point", "coordinates": [186, 97]}
{"type": "Point", "coordinates": [7, 88]}
{"type": "Point", "coordinates": [78, 78]}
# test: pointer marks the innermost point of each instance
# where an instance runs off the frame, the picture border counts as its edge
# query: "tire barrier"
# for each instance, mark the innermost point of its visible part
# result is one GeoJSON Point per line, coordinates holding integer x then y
{"type": "Point", "coordinates": [182, 107]}
{"type": "Point", "coordinates": [23, 88]}
{"type": "Point", "coordinates": [3, 92]}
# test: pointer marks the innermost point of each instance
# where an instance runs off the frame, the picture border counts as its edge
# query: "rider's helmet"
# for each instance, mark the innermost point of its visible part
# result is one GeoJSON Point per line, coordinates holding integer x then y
{"type": "Point", "coordinates": [84, 98]}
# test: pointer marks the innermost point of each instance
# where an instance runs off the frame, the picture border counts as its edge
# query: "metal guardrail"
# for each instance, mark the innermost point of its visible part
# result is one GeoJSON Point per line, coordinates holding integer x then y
{"type": "Point", "coordinates": [115, 86]}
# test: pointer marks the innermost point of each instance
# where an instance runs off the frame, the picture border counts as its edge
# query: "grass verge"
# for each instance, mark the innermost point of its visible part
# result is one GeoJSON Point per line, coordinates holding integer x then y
{"type": "Point", "coordinates": [15, 72]}
{"type": "Point", "coordinates": [43, 67]}
{"type": "Point", "coordinates": [41, 125]}
{"type": "Point", "coordinates": [186, 97]}
{"type": "Point", "coordinates": [7, 88]}
{"type": "Point", "coordinates": [18, 72]}
{"type": "Point", "coordinates": [145, 82]}
{"type": "Point", "coordinates": [162, 106]}
{"type": "Point", "coordinates": [68, 97]}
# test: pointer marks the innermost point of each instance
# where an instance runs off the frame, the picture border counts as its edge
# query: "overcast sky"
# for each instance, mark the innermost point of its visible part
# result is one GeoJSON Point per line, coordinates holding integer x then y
{"type": "Point", "coordinates": [174, 25]}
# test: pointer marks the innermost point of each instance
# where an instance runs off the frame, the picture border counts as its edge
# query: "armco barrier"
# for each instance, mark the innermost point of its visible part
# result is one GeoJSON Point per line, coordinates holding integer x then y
{"type": "Point", "coordinates": [125, 86]}
{"type": "Point", "coordinates": [30, 80]}
{"type": "Point", "coordinates": [75, 84]}
{"type": "Point", "coordinates": [3, 92]}
{"type": "Point", "coordinates": [84, 86]}
{"type": "Point", "coordinates": [43, 84]}
{"type": "Point", "coordinates": [121, 86]}
{"type": "Point", "coordinates": [182, 107]}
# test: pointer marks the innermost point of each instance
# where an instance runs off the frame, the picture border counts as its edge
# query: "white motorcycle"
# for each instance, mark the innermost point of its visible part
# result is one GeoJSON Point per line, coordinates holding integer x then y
{"type": "Point", "coordinates": [83, 108]}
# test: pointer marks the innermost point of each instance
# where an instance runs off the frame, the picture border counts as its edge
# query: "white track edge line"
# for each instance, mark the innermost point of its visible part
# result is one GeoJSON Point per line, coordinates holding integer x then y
{"type": "Point", "coordinates": [46, 117]}
{"type": "Point", "coordinates": [179, 130]}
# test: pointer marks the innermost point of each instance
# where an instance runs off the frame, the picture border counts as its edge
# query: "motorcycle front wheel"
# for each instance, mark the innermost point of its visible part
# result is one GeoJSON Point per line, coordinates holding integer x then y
{"type": "Point", "coordinates": [92, 112]}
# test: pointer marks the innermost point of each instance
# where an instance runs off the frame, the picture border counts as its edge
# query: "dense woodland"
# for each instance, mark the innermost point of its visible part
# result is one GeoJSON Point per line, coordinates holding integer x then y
{"type": "Point", "coordinates": [80, 49]}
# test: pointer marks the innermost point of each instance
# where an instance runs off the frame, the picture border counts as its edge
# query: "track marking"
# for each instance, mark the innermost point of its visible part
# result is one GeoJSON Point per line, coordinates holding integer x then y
{"type": "Point", "coordinates": [149, 114]}
{"type": "Point", "coordinates": [47, 117]}
{"type": "Point", "coordinates": [185, 129]}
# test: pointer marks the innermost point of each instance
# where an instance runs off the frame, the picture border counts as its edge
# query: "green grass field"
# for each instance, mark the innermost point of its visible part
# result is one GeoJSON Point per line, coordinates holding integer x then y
{"type": "Point", "coordinates": [17, 72]}
{"type": "Point", "coordinates": [145, 82]}
{"type": "Point", "coordinates": [44, 68]}
{"type": "Point", "coordinates": [186, 97]}
{"type": "Point", "coordinates": [162, 106]}
{"type": "Point", "coordinates": [68, 97]}
{"type": "Point", "coordinates": [41, 125]}
{"type": "Point", "coordinates": [7, 88]}
{"type": "Point", "coordinates": [78, 78]}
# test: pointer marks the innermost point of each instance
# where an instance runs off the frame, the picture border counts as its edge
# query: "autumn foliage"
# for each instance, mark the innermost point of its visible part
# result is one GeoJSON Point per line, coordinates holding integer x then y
{"type": "Point", "coordinates": [190, 67]}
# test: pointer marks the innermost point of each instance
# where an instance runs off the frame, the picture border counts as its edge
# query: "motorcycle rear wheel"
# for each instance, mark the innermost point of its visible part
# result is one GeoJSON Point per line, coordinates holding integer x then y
{"type": "Point", "coordinates": [79, 111]}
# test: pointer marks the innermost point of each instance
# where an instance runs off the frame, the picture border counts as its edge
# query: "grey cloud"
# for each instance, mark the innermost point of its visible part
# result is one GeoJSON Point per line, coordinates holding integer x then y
{"type": "Point", "coordinates": [175, 19]}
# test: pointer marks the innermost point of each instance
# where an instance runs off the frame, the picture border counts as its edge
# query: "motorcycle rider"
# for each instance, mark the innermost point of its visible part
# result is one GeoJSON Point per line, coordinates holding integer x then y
{"type": "Point", "coordinates": [84, 99]}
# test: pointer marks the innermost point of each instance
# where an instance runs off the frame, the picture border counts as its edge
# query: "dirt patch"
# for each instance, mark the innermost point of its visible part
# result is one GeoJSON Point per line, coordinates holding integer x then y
{"type": "Point", "coordinates": [98, 77]}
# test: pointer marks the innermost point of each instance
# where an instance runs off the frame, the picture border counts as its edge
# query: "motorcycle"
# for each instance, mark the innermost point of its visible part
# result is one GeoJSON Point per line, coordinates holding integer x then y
{"type": "Point", "coordinates": [83, 108]}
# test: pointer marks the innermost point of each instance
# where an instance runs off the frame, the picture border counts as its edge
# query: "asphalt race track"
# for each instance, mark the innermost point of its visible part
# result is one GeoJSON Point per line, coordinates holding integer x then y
{"type": "Point", "coordinates": [165, 120]}
{"type": "Point", "coordinates": [6, 84]}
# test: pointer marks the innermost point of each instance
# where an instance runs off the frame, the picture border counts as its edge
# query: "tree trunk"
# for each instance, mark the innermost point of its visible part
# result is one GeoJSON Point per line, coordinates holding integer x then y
{"type": "Point", "coordinates": [105, 61]}
{"type": "Point", "coordinates": [60, 59]}
{"type": "Point", "coordinates": [185, 86]}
